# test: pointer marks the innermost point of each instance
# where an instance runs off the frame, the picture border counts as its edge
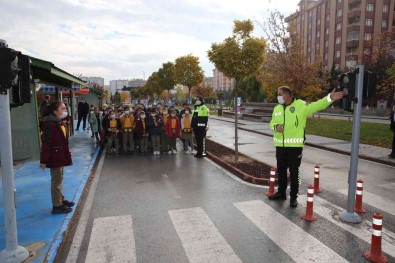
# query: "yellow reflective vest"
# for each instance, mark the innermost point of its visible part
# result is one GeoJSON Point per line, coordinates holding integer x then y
{"type": "Point", "coordinates": [293, 117]}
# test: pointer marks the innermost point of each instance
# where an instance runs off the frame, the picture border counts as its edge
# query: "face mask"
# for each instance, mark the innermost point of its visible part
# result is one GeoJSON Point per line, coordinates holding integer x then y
{"type": "Point", "coordinates": [142, 116]}
{"type": "Point", "coordinates": [198, 102]}
{"type": "Point", "coordinates": [64, 114]}
{"type": "Point", "coordinates": [187, 112]}
{"type": "Point", "coordinates": [92, 112]}
{"type": "Point", "coordinates": [173, 115]}
{"type": "Point", "coordinates": [127, 112]}
{"type": "Point", "coordinates": [113, 116]}
{"type": "Point", "coordinates": [165, 112]}
{"type": "Point", "coordinates": [280, 99]}
{"type": "Point", "coordinates": [100, 112]}
{"type": "Point", "coordinates": [153, 114]}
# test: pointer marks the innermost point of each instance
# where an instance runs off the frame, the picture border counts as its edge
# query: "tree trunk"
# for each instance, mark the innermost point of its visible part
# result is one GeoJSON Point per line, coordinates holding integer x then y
{"type": "Point", "coordinates": [236, 121]}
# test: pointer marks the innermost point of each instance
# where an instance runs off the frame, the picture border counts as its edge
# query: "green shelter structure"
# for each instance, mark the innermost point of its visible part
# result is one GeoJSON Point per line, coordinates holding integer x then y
{"type": "Point", "coordinates": [25, 118]}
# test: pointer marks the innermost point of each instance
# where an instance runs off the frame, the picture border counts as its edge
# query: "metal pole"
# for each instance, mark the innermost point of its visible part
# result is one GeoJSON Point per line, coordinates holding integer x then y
{"type": "Point", "coordinates": [350, 216]}
{"type": "Point", "coordinates": [12, 253]}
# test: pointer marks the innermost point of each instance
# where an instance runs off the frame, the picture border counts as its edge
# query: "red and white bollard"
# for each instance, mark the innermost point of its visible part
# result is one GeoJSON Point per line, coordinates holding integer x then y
{"type": "Point", "coordinates": [272, 182]}
{"type": "Point", "coordinates": [358, 197]}
{"type": "Point", "coordinates": [309, 216]}
{"type": "Point", "coordinates": [375, 255]}
{"type": "Point", "coordinates": [317, 179]}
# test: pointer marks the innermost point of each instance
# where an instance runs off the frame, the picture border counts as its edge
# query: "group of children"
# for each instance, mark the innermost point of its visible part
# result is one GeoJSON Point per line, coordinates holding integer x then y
{"type": "Point", "coordinates": [153, 129]}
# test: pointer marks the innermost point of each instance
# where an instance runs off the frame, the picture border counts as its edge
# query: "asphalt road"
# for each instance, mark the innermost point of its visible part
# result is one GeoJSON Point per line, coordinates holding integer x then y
{"type": "Point", "coordinates": [176, 208]}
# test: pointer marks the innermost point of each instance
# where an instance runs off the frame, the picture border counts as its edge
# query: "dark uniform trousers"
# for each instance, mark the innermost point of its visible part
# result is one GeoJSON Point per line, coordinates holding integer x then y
{"type": "Point", "coordinates": [288, 158]}
{"type": "Point", "coordinates": [200, 137]}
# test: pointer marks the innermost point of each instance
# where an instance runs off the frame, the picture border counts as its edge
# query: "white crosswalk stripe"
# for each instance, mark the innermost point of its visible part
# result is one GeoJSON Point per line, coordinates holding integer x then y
{"type": "Point", "coordinates": [298, 244]}
{"type": "Point", "coordinates": [112, 240]}
{"type": "Point", "coordinates": [375, 201]}
{"type": "Point", "coordinates": [200, 238]}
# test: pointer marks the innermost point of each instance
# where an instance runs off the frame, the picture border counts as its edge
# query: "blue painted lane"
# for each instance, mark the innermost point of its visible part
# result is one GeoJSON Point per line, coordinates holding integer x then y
{"type": "Point", "coordinates": [35, 222]}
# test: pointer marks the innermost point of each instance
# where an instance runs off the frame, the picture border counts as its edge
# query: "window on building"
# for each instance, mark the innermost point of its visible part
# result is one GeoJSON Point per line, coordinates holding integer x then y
{"type": "Point", "coordinates": [318, 9]}
{"type": "Point", "coordinates": [369, 7]}
{"type": "Point", "coordinates": [337, 54]}
{"type": "Point", "coordinates": [326, 56]}
{"type": "Point", "coordinates": [385, 8]}
{"type": "Point", "coordinates": [327, 18]}
{"type": "Point", "coordinates": [338, 40]}
{"type": "Point", "coordinates": [339, 12]}
{"type": "Point", "coordinates": [310, 13]}
{"type": "Point", "coordinates": [309, 25]}
{"type": "Point", "coordinates": [366, 51]}
{"type": "Point", "coordinates": [353, 35]}
{"type": "Point", "coordinates": [339, 1]}
{"type": "Point", "coordinates": [384, 23]}
{"type": "Point", "coordinates": [309, 37]}
{"type": "Point", "coordinates": [318, 34]}
{"type": "Point", "coordinates": [328, 4]}
{"type": "Point", "coordinates": [368, 36]}
{"type": "Point", "coordinates": [327, 31]}
{"type": "Point", "coordinates": [338, 26]}
{"type": "Point", "coordinates": [369, 22]}
{"type": "Point", "coordinates": [326, 43]}
{"type": "Point", "coordinates": [318, 22]}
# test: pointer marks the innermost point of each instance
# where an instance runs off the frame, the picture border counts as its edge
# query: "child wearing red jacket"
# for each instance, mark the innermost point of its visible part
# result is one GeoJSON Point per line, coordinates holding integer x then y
{"type": "Point", "coordinates": [173, 129]}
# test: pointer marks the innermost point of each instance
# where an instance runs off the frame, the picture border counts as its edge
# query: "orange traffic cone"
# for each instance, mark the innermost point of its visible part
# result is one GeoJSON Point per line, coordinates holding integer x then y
{"type": "Point", "coordinates": [272, 182]}
{"type": "Point", "coordinates": [358, 197]}
{"type": "Point", "coordinates": [317, 179]}
{"type": "Point", "coordinates": [309, 216]}
{"type": "Point", "coordinates": [375, 255]}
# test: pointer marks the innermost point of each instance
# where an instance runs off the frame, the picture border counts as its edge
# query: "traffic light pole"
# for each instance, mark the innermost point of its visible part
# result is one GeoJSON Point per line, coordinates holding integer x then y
{"type": "Point", "coordinates": [349, 215]}
{"type": "Point", "coordinates": [12, 253]}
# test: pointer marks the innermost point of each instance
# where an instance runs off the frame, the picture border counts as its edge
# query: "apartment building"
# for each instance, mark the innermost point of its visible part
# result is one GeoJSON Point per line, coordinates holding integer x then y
{"type": "Point", "coordinates": [222, 82]}
{"type": "Point", "coordinates": [337, 31]}
{"type": "Point", "coordinates": [117, 85]}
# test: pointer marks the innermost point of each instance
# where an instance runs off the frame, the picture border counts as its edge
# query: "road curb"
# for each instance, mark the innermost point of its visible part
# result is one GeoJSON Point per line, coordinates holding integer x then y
{"type": "Point", "coordinates": [236, 171]}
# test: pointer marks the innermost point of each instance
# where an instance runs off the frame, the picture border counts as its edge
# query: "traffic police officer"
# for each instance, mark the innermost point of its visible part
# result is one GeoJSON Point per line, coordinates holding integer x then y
{"type": "Point", "coordinates": [288, 123]}
{"type": "Point", "coordinates": [199, 125]}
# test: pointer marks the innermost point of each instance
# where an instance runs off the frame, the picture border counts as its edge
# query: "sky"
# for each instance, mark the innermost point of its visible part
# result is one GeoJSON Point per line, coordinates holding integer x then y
{"type": "Point", "coordinates": [126, 39]}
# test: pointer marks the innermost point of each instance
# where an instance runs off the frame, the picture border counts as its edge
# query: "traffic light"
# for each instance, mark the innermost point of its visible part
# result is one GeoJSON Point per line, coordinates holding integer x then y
{"type": "Point", "coordinates": [369, 84]}
{"type": "Point", "coordinates": [347, 85]}
{"type": "Point", "coordinates": [9, 68]}
{"type": "Point", "coordinates": [25, 82]}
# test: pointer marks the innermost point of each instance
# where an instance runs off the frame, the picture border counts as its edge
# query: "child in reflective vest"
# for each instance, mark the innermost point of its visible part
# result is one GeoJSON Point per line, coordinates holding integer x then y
{"type": "Point", "coordinates": [173, 128]}
{"type": "Point", "coordinates": [186, 130]}
{"type": "Point", "coordinates": [163, 137]}
{"type": "Point", "coordinates": [128, 124]}
{"type": "Point", "coordinates": [113, 127]}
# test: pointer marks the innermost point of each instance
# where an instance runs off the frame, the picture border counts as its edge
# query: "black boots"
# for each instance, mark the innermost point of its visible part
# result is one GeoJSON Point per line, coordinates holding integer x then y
{"type": "Point", "coordinates": [62, 209]}
{"type": "Point", "coordinates": [293, 202]}
{"type": "Point", "coordinates": [278, 196]}
{"type": "Point", "coordinates": [68, 203]}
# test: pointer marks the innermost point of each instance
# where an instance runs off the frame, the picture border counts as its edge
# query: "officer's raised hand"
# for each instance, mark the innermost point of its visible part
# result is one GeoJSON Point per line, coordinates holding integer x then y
{"type": "Point", "coordinates": [336, 95]}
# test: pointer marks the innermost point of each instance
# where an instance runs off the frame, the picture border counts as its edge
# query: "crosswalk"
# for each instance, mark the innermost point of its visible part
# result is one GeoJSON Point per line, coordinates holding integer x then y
{"type": "Point", "coordinates": [113, 238]}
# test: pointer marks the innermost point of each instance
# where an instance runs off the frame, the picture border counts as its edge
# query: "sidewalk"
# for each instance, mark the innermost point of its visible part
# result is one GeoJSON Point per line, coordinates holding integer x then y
{"type": "Point", "coordinates": [38, 229]}
{"type": "Point", "coordinates": [367, 152]}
